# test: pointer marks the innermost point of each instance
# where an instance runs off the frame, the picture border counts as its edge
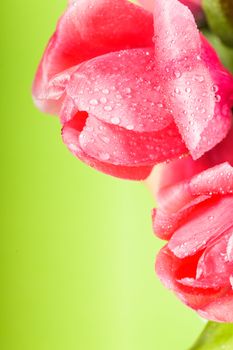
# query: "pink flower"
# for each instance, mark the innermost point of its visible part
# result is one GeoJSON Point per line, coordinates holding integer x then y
{"type": "Point", "coordinates": [131, 91]}
{"type": "Point", "coordinates": [194, 214]}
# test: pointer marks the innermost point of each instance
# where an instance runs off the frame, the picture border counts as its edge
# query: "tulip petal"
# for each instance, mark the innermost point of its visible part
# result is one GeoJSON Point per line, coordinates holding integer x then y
{"type": "Point", "coordinates": [71, 133]}
{"type": "Point", "coordinates": [176, 36]}
{"type": "Point", "coordinates": [181, 52]}
{"type": "Point", "coordinates": [122, 88]}
{"type": "Point", "coordinates": [214, 267]}
{"type": "Point", "coordinates": [181, 170]}
{"type": "Point", "coordinates": [171, 270]}
{"type": "Point", "coordinates": [127, 147]}
{"type": "Point", "coordinates": [216, 180]}
{"type": "Point", "coordinates": [193, 5]}
{"type": "Point", "coordinates": [204, 224]}
{"type": "Point", "coordinates": [117, 146]}
{"type": "Point", "coordinates": [165, 222]}
{"type": "Point", "coordinates": [87, 29]}
{"type": "Point", "coordinates": [220, 310]}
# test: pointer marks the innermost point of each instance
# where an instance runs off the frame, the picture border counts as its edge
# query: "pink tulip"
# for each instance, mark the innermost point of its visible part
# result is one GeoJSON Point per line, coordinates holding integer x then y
{"type": "Point", "coordinates": [194, 214]}
{"type": "Point", "coordinates": [131, 91]}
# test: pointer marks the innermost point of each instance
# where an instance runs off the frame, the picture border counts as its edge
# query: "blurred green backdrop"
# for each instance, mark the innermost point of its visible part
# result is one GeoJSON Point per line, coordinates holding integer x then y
{"type": "Point", "coordinates": [77, 249]}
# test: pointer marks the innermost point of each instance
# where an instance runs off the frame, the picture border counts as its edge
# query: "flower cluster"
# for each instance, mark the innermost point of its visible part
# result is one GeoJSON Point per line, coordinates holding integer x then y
{"type": "Point", "coordinates": [194, 214]}
{"type": "Point", "coordinates": [137, 85]}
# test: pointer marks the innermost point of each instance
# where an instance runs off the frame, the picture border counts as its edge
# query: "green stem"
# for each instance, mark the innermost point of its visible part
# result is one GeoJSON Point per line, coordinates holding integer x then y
{"type": "Point", "coordinates": [215, 336]}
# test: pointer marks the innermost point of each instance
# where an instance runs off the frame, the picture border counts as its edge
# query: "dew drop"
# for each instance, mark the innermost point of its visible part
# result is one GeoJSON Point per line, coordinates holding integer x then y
{"type": "Point", "coordinates": [217, 98]}
{"type": "Point", "coordinates": [115, 120]}
{"type": "Point", "coordinates": [104, 156]}
{"type": "Point", "coordinates": [177, 74]}
{"type": "Point", "coordinates": [103, 100]}
{"type": "Point", "coordinates": [108, 108]}
{"type": "Point", "coordinates": [199, 78]}
{"type": "Point", "coordinates": [128, 90]}
{"type": "Point", "coordinates": [130, 127]}
{"type": "Point", "coordinates": [93, 102]}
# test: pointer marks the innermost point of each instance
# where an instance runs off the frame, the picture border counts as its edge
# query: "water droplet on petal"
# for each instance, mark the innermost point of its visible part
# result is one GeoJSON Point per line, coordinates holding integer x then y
{"type": "Point", "coordinates": [108, 108]}
{"type": "Point", "coordinates": [115, 120]}
{"type": "Point", "coordinates": [177, 91]}
{"type": "Point", "coordinates": [93, 102]}
{"type": "Point", "coordinates": [104, 156]}
{"type": "Point", "coordinates": [199, 78]}
{"type": "Point", "coordinates": [128, 90]}
{"type": "Point", "coordinates": [177, 74]}
{"type": "Point", "coordinates": [215, 88]}
{"type": "Point", "coordinates": [103, 100]}
{"type": "Point", "coordinates": [217, 98]}
{"type": "Point", "coordinates": [130, 127]}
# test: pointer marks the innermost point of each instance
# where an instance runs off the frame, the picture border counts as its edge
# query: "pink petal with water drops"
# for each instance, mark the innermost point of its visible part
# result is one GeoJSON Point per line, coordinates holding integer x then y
{"type": "Point", "coordinates": [171, 270]}
{"type": "Point", "coordinates": [214, 268]}
{"type": "Point", "coordinates": [127, 147]}
{"type": "Point", "coordinates": [176, 37]}
{"type": "Point", "coordinates": [122, 86]}
{"type": "Point", "coordinates": [206, 223]}
{"type": "Point", "coordinates": [220, 310]}
{"type": "Point", "coordinates": [71, 134]}
{"type": "Point", "coordinates": [181, 169]}
{"type": "Point", "coordinates": [184, 169]}
{"type": "Point", "coordinates": [87, 29]}
{"type": "Point", "coordinates": [113, 145]}
{"type": "Point", "coordinates": [165, 222]}
{"type": "Point", "coordinates": [216, 180]}
{"type": "Point", "coordinates": [121, 96]}
{"type": "Point", "coordinates": [194, 6]}
{"type": "Point", "coordinates": [189, 80]}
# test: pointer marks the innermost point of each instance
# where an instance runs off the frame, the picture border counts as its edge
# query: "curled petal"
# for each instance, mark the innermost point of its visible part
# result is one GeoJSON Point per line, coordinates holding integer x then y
{"type": "Point", "coordinates": [214, 269]}
{"type": "Point", "coordinates": [184, 169]}
{"type": "Point", "coordinates": [120, 147]}
{"type": "Point", "coordinates": [122, 88]}
{"type": "Point", "coordinates": [80, 35]}
{"type": "Point", "coordinates": [216, 180]}
{"type": "Point", "coordinates": [165, 223]}
{"type": "Point", "coordinates": [185, 58]}
{"type": "Point", "coordinates": [176, 36]}
{"type": "Point", "coordinates": [206, 223]}
{"type": "Point", "coordinates": [71, 133]}
{"type": "Point", "coordinates": [220, 310]}
{"type": "Point", "coordinates": [171, 270]}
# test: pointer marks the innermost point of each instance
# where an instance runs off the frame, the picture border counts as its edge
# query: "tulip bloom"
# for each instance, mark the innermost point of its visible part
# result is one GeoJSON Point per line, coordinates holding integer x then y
{"type": "Point", "coordinates": [132, 88]}
{"type": "Point", "coordinates": [195, 206]}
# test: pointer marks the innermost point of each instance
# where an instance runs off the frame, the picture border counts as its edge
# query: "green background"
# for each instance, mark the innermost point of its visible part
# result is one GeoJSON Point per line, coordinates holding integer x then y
{"type": "Point", "coordinates": [77, 248]}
